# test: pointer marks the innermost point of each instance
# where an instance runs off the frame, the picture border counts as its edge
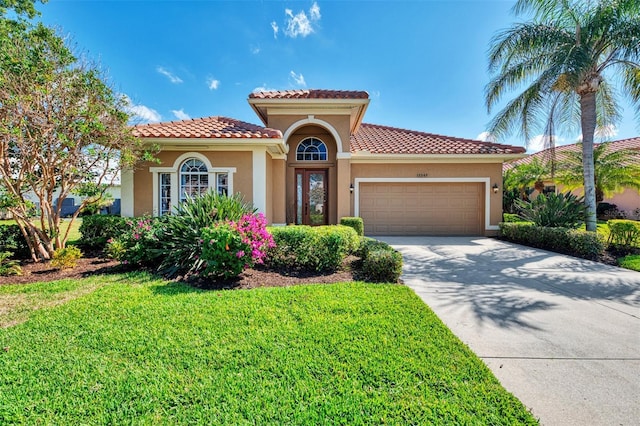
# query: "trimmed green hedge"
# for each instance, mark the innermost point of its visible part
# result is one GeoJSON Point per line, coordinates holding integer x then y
{"type": "Point", "coordinates": [96, 230]}
{"type": "Point", "coordinates": [624, 232]}
{"type": "Point", "coordinates": [354, 222]}
{"type": "Point", "coordinates": [381, 263]}
{"type": "Point", "coordinates": [512, 218]}
{"type": "Point", "coordinates": [318, 248]}
{"type": "Point", "coordinates": [588, 245]}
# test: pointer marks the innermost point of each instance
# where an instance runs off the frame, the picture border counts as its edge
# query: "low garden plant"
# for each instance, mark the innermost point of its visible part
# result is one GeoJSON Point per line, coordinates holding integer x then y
{"type": "Point", "coordinates": [380, 262]}
{"type": "Point", "coordinates": [9, 266]}
{"type": "Point", "coordinates": [66, 258]}
{"type": "Point", "coordinates": [624, 233]}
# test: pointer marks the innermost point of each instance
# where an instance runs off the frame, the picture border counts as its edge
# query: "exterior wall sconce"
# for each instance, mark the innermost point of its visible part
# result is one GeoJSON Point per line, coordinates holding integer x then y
{"type": "Point", "coordinates": [351, 188]}
{"type": "Point", "coordinates": [495, 188]}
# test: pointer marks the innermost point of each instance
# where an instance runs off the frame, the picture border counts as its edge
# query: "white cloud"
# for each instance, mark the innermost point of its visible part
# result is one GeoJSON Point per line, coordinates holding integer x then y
{"type": "Point", "coordinates": [180, 114]}
{"type": "Point", "coordinates": [213, 84]}
{"type": "Point", "coordinates": [298, 79]}
{"type": "Point", "coordinates": [606, 133]}
{"type": "Point", "coordinates": [487, 137]}
{"type": "Point", "coordinates": [172, 77]}
{"type": "Point", "coordinates": [263, 88]}
{"type": "Point", "coordinates": [275, 29]}
{"type": "Point", "coordinates": [540, 142]}
{"type": "Point", "coordinates": [254, 50]}
{"type": "Point", "coordinates": [300, 24]}
{"type": "Point", "coordinates": [141, 112]}
{"type": "Point", "coordinates": [314, 12]}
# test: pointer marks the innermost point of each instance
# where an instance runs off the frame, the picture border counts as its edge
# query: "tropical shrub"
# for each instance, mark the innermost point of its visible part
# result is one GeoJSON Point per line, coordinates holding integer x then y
{"type": "Point", "coordinates": [624, 233]}
{"type": "Point", "coordinates": [9, 266]}
{"type": "Point", "coordinates": [354, 222]}
{"type": "Point", "coordinates": [230, 247]}
{"type": "Point", "coordinates": [565, 240]}
{"type": "Point", "coordinates": [96, 230]}
{"type": "Point", "coordinates": [553, 210]}
{"type": "Point", "coordinates": [319, 248]}
{"type": "Point", "coordinates": [12, 240]}
{"type": "Point", "coordinates": [223, 252]}
{"type": "Point", "coordinates": [66, 258]}
{"type": "Point", "coordinates": [139, 243]}
{"type": "Point", "coordinates": [181, 249]}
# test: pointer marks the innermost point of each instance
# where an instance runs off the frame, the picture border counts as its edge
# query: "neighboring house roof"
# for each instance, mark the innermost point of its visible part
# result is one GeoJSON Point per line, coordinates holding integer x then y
{"type": "Point", "coordinates": [310, 94]}
{"type": "Point", "coordinates": [560, 151]}
{"type": "Point", "coordinates": [205, 128]}
{"type": "Point", "coordinates": [389, 140]}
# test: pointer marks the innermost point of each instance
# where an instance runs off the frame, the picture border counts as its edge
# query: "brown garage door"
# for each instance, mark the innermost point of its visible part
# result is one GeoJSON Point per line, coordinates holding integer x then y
{"type": "Point", "coordinates": [422, 208]}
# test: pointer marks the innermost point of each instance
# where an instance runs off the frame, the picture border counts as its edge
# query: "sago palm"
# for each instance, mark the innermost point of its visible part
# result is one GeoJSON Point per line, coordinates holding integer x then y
{"type": "Point", "coordinates": [614, 171]}
{"type": "Point", "coordinates": [566, 61]}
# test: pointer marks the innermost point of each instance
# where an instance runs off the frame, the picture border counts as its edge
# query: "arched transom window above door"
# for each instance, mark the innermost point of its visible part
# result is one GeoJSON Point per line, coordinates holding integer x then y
{"type": "Point", "coordinates": [311, 149]}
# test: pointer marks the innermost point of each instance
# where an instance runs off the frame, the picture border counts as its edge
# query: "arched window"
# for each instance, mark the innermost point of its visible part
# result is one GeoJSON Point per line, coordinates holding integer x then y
{"type": "Point", "coordinates": [194, 178]}
{"type": "Point", "coordinates": [311, 149]}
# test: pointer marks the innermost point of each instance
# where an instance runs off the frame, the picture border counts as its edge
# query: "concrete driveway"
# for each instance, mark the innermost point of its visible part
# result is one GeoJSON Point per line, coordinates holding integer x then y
{"type": "Point", "coordinates": [562, 334]}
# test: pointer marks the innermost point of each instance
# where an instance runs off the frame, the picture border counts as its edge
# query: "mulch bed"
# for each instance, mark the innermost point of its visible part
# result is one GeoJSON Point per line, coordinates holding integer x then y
{"type": "Point", "coordinates": [94, 264]}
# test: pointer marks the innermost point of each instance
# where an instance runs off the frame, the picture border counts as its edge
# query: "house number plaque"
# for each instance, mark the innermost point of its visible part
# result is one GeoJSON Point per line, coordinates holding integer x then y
{"type": "Point", "coordinates": [422, 175]}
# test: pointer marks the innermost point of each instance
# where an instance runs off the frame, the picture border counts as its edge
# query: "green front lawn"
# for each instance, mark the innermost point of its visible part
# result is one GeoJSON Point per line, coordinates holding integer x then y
{"type": "Point", "coordinates": [74, 233]}
{"type": "Point", "coordinates": [130, 348]}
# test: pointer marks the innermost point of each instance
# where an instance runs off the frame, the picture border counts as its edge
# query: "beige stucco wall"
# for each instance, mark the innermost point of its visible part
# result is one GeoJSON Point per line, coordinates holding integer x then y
{"type": "Point", "coordinates": [242, 178]}
{"type": "Point", "coordinates": [627, 201]}
{"type": "Point", "coordinates": [493, 171]}
{"type": "Point", "coordinates": [277, 184]}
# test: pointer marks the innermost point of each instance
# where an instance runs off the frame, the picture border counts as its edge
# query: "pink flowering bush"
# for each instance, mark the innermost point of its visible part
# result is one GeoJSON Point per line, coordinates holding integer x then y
{"type": "Point", "coordinates": [138, 243]}
{"type": "Point", "coordinates": [230, 247]}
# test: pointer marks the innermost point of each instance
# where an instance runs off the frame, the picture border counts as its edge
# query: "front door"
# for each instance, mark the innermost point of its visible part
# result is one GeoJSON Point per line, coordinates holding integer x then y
{"type": "Point", "coordinates": [311, 196]}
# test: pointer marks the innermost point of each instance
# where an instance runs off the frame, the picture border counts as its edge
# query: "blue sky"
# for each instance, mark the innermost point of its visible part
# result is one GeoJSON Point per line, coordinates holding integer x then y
{"type": "Point", "coordinates": [424, 63]}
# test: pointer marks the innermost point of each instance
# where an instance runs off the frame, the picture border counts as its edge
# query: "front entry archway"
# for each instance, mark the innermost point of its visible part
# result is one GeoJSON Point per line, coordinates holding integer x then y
{"type": "Point", "coordinates": [311, 196]}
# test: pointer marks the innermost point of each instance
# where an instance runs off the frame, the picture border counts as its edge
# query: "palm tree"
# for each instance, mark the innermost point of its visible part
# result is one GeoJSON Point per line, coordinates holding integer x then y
{"type": "Point", "coordinates": [615, 170]}
{"type": "Point", "coordinates": [567, 58]}
{"type": "Point", "coordinates": [526, 177]}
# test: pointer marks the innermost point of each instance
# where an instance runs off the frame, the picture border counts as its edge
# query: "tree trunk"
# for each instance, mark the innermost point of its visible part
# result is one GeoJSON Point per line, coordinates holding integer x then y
{"type": "Point", "coordinates": [588, 123]}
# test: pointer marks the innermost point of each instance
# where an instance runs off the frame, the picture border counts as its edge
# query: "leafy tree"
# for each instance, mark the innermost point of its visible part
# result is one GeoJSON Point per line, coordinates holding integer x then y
{"type": "Point", "coordinates": [614, 170]}
{"type": "Point", "coordinates": [62, 130]}
{"type": "Point", "coordinates": [567, 58]}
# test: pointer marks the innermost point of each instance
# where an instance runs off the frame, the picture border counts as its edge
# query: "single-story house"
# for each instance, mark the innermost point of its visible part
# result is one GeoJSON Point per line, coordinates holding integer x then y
{"type": "Point", "coordinates": [627, 201]}
{"type": "Point", "coordinates": [315, 161]}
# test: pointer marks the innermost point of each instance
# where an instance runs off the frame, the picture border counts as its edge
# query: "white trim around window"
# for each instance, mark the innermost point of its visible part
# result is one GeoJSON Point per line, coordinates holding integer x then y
{"type": "Point", "coordinates": [174, 178]}
{"type": "Point", "coordinates": [485, 180]}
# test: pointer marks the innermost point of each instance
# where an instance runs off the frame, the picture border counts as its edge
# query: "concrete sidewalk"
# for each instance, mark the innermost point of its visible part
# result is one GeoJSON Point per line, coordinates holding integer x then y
{"type": "Point", "coordinates": [562, 334]}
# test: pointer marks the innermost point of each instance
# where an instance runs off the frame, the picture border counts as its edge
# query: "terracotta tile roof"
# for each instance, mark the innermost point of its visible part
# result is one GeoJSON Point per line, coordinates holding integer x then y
{"type": "Point", "coordinates": [205, 128]}
{"type": "Point", "coordinates": [310, 94]}
{"type": "Point", "coordinates": [389, 140]}
{"type": "Point", "coordinates": [545, 155]}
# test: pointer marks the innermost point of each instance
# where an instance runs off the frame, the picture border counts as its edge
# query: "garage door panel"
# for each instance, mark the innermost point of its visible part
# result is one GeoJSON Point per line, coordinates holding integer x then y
{"type": "Point", "coordinates": [422, 208]}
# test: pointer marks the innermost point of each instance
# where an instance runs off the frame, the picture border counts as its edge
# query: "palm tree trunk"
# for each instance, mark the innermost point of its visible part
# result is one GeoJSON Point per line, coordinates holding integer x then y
{"type": "Point", "coordinates": [588, 123]}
